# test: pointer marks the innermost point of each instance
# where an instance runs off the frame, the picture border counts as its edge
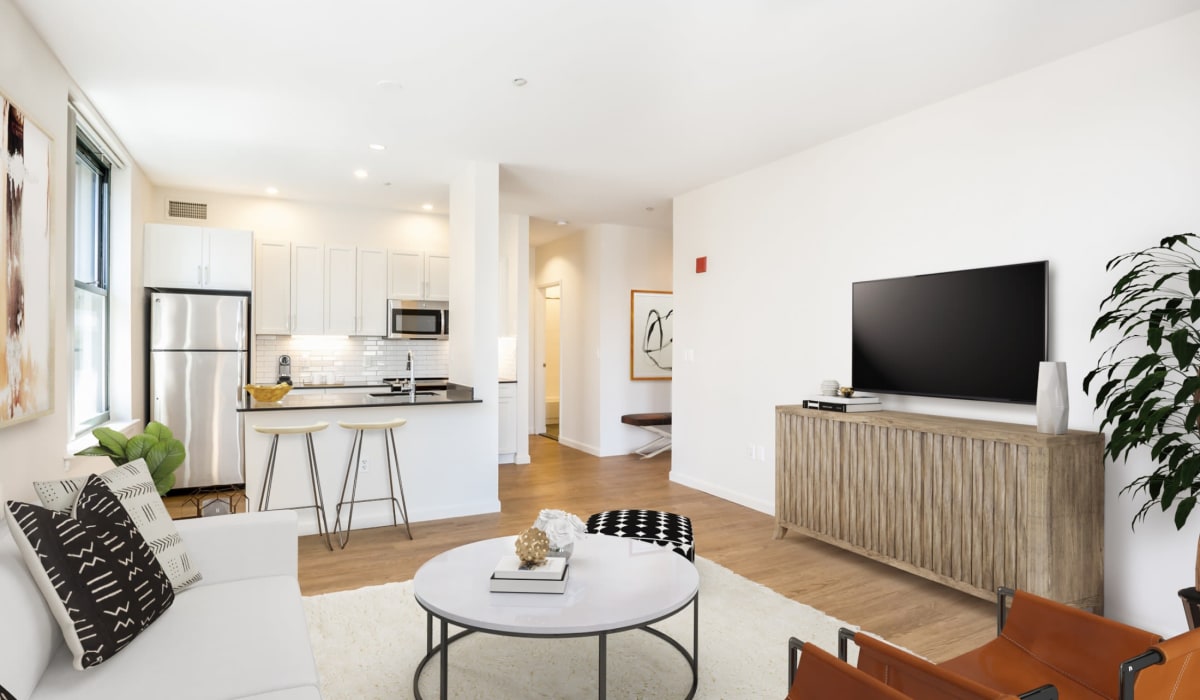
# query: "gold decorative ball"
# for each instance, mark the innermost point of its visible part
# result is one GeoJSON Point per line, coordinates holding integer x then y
{"type": "Point", "coordinates": [532, 546]}
{"type": "Point", "coordinates": [846, 391]}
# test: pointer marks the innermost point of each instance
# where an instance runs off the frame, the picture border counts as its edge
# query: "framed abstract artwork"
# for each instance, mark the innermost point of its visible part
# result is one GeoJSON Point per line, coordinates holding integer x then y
{"type": "Point", "coordinates": [26, 346]}
{"type": "Point", "coordinates": [651, 334]}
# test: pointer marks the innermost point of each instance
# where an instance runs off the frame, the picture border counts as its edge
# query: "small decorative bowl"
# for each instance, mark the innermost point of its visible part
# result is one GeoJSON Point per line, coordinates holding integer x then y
{"type": "Point", "coordinates": [268, 393]}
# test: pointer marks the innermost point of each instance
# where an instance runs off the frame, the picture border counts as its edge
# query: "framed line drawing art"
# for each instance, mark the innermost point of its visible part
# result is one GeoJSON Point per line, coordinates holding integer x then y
{"type": "Point", "coordinates": [651, 334]}
{"type": "Point", "coordinates": [26, 346]}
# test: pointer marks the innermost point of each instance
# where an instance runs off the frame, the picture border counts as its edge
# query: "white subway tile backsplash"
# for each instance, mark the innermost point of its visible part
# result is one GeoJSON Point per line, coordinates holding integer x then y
{"type": "Point", "coordinates": [355, 360]}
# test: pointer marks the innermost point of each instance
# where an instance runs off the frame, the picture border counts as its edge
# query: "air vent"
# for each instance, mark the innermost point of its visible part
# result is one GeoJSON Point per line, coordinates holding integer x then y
{"type": "Point", "coordinates": [187, 210]}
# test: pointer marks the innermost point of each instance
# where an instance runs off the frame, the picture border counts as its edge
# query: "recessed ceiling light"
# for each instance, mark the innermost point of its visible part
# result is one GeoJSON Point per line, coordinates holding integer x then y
{"type": "Point", "coordinates": [387, 84]}
{"type": "Point", "coordinates": [427, 206]}
{"type": "Point", "coordinates": [377, 147]}
{"type": "Point", "coordinates": [272, 190]}
{"type": "Point", "coordinates": [520, 82]}
{"type": "Point", "coordinates": [360, 174]}
{"type": "Point", "coordinates": [562, 222]}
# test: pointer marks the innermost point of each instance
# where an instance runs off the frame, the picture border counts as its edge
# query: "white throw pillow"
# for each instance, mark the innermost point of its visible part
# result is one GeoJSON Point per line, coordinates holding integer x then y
{"type": "Point", "coordinates": [134, 487]}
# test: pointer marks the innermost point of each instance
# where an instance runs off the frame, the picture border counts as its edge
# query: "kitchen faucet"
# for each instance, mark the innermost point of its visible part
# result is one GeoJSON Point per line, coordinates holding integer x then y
{"type": "Point", "coordinates": [412, 379]}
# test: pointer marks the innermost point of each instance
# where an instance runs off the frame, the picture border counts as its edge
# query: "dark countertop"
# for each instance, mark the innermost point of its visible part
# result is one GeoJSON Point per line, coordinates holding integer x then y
{"type": "Point", "coordinates": [456, 394]}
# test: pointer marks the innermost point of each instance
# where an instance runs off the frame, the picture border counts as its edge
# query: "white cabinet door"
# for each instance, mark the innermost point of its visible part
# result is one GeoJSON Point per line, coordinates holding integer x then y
{"type": "Point", "coordinates": [508, 418]}
{"type": "Point", "coordinates": [340, 290]}
{"type": "Point", "coordinates": [372, 292]}
{"type": "Point", "coordinates": [273, 288]}
{"type": "Point", "coordinates": [228, 259]}
{"type": "Point", "coordinates": [437, 277]}
{"type": "Point", "coordinates": [174, 256]}
{"type": "Point", "coordinates": [308, 289]}
{"type": "Point", "coordinates": [406, 274]}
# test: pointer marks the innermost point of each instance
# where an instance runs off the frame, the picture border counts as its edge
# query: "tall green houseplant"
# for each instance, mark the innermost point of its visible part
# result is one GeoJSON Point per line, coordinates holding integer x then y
{"type": "Point", "coordinates": [162, 452]}
{"type": "Point", "coordinates": [1148, 381]}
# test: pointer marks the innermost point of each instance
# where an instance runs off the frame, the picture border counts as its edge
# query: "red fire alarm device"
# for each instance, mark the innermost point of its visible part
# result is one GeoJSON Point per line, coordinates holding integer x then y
{"type": "Point", "coordinates": [702, 264]}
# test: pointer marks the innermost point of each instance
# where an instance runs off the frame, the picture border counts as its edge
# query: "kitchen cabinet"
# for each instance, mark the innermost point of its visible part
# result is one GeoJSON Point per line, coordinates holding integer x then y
{"type": "Point", "coordinates": [194, 257]}
{"type": "Point", "coordinates": [372, 292]}
{"type": "Point", "coordinates": [418, 275]}
{"type": "Point", "coordinates": [508, 421]}
{"type": "Point", "coordinates": [272, 288]}
{"type": "Point", "coordinates": [308, 289]}
{"type": "Point", "coordinates": [341, 303]}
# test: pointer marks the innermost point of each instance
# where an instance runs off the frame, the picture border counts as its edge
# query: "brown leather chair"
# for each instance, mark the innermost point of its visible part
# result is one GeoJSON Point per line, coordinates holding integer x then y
{"type": "Point", "coordinates": [920, 679]}
{"type": "Point", "coordinates": [1083, 655]}
{"type": "Point", "coordinates": [819, 675]}
{"type": "Point", "coordinates": [1191, 606]}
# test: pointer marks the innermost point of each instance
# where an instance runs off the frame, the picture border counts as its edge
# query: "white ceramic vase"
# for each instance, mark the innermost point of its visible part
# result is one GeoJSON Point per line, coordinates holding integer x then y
{"type": "Point", "coordinates": [1052, 407]}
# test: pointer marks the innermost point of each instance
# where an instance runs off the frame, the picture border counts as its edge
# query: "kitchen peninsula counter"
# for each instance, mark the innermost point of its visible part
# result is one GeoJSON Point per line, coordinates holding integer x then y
{"type": "Point", "coordinates": [444, 471]}
{"type": "Point", "coordinates": [457, 394]}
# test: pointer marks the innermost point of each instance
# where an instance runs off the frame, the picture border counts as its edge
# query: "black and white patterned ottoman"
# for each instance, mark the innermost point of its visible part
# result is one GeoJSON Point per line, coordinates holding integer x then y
{"type": "Point", "coordinates": [663, 529]}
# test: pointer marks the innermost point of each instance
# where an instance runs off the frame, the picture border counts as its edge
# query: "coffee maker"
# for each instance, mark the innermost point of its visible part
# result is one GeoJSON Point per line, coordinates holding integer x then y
{"type": "Point", "coordinates": [285, 369]}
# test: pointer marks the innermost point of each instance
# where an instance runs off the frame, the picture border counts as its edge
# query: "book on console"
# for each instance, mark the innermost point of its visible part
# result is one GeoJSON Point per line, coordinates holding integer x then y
{"type": "Point", "coordinates": [531, 585]}
{"type": "Point", "coordinates": [850, 407]}
{"type": "Point", "coordinates": [856, 399]}
{"type": "Point", "coordinates": [510, 566]}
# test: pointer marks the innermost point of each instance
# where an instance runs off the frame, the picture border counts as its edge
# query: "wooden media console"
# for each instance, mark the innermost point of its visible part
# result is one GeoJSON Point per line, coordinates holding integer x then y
{"type": "Point", "coordinates": [971, 504]}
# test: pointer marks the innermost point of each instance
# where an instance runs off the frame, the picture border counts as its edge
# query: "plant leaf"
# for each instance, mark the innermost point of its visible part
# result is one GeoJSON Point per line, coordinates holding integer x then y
{"type": "Point", "coordinates": [1183, 510]}
{"type": "Point", "coordinates": [1182, 347]}
{"type": "Point", "coordinates": [139, 446]}
{"type": "Point", "coordinates": [111, 440]}
{"type": "Point", "coordinates": [159, 431]}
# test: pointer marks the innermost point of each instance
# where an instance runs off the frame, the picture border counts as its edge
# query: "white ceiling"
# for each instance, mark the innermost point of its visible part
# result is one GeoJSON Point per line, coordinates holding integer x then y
{"type": "Point", "coordinates": [628, 103]}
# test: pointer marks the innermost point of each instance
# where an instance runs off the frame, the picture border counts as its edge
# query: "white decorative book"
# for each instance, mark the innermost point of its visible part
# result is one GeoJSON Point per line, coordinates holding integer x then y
{"type": "Point", "coordinates": [510, 567]}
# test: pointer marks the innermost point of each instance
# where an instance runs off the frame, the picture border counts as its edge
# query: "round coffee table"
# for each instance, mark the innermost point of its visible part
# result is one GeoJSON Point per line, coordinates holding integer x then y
{"type": "Point", "coordinates": [614, 584]}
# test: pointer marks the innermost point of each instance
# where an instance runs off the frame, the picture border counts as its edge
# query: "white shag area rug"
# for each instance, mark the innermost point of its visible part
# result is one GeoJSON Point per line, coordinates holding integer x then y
{"type": "Point", "coordinates": [368, 643]}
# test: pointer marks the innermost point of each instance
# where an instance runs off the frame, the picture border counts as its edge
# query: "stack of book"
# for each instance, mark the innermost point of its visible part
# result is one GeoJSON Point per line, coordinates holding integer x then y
{"type": "Point", "coordinates": [511, 576]}
{"type": "Point", "coordinates": [844, 404]}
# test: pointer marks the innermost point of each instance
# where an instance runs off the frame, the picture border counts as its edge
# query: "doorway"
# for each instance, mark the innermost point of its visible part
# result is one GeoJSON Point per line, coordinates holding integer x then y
{"type": "Point", "coordinates": [552, 360]}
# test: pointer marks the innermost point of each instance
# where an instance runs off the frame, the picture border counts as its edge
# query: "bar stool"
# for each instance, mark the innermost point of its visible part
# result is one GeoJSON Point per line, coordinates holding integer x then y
{"type": "Point", "coordinates": [314, 479]}
{"type": "Point", "coordinates": [393, 466]}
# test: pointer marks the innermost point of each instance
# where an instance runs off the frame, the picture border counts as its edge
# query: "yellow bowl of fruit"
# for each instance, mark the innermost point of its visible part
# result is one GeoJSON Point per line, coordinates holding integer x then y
{"type": "Point", "coordinates": [268, 393]}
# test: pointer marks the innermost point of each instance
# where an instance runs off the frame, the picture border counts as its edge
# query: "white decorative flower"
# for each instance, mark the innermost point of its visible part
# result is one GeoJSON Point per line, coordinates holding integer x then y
{"type": "Point", "coordinates": [561, 527]}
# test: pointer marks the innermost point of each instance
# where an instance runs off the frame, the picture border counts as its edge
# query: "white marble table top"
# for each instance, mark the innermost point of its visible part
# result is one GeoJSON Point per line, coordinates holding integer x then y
{"type": "Point", "coordinates": [614, 583]}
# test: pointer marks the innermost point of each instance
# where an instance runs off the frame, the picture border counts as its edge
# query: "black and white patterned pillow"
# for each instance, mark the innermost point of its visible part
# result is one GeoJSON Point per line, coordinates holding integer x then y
{"type": "Point", "coordinates": [5, 695]}
{"type": "Point", "coordinates": [661, 528]}
{"type": "Point", "coordinates": [134, 487]}
{"type": "Point", "coordinates": [94, 569]}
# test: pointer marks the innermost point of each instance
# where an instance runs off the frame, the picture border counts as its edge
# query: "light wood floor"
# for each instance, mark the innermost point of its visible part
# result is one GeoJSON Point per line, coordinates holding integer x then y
{"type": "Point", "coordinates": [923, 616]}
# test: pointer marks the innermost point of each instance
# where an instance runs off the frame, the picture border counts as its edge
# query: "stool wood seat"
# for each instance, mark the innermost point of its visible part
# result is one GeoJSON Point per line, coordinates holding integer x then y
{"type": "Point", "coordinates": [393, 469]}
{"type": "Point", "coordinates": [651, 422]}
{"type": "Point", "coordinates": [372, 426]}
{"type": "Point", "coordinates": [314, 478]}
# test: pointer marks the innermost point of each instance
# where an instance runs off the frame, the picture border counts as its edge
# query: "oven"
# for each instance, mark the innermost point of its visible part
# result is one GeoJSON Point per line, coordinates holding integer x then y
{"type": "Point", "coordinates": [412, 319]}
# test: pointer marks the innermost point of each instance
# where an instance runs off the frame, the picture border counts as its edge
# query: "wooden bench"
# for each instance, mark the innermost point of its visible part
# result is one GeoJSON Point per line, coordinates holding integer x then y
{"type": "Point", "coordinates": [652, 422]}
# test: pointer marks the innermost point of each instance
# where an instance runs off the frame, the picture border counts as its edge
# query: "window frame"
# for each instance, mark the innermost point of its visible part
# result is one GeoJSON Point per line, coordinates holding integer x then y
{"type": "Point", "coordinates": [94, 159]}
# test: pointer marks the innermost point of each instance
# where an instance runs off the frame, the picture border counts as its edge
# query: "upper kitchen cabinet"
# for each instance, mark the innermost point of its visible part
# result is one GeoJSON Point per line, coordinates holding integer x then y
{"type": "Point", "coordinates": [192, 257]}
{"type": "Point", "coordinates": [418, 275]}
{"type": "Point", "coordinates": [372, 292]}
{"type": "Point", "coordinates": [341, 298]}
{"type": "Point", "coordinates": [273, 288]}
{"type": "Point", "coordinates": [308, 289]}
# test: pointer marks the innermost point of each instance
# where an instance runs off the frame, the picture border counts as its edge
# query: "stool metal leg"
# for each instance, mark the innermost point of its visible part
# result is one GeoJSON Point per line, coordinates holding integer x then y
{"type": "Point", "coordinates": [394, 463]}
{"type": "Point", "coordinates": [264, 498]}
{"type": "Point", "coordinates": [314, 480]}
{"type": "Point", "coordinates": [351, 466]}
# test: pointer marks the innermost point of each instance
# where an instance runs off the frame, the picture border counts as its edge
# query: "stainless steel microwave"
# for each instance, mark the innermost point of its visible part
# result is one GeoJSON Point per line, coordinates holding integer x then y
{"type": "Point", "coordinates": [413, 319]}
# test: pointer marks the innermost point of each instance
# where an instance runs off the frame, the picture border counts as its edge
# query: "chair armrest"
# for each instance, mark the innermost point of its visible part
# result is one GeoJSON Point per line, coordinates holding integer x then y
{"type": "Point", "coordinates": [242, 545]}
{"type": "Point", "coordinates": [1190, 597]}
{"type": "Point", "coordinates": [820, 676]}
{"type": "Point", "coordinates": [919, 678]}
{"type": "Point", "coordinates": [1163, 670]}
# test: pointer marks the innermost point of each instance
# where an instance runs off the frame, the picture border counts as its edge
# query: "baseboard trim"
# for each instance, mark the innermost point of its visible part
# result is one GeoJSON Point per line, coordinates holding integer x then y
{"type": "Point", "coordinates": [368, 515]}
{"type": "Point", "coordinates": [721, 492]}
{"type": "Point", "coordinates": [581, 446]}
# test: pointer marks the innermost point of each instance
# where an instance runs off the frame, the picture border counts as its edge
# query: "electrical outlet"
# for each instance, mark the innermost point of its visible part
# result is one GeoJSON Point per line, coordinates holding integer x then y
{"type": "Point", "coordinates": [362, 464]}
{"type": "Point", "coordinates": [761, 454]}
{"type": "Point", "coordinates": [750, 450]}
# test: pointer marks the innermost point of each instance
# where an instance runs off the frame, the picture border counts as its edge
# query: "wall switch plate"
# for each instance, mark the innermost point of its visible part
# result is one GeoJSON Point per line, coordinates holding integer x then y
{"type": "Point", "coordinates": [362, 464]}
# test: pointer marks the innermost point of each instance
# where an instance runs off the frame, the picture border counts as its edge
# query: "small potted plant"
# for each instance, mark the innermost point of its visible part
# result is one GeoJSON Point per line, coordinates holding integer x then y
{"type": "Point", "coordinates": [158, 446]}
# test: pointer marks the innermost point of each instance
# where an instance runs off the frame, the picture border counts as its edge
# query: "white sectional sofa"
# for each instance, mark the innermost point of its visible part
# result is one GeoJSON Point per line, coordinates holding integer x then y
{"type": "Point", "coordinates": [239, 633]}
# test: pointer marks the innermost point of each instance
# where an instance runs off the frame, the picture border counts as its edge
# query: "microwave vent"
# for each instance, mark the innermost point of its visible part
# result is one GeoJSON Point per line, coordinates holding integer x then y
{"type": "Point", "coordinates": [187, 210]}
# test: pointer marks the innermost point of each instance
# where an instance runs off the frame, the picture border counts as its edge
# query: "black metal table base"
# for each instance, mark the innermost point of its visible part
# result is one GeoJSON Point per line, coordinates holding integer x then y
{"type": "Point", "coordinates": [441, 649]}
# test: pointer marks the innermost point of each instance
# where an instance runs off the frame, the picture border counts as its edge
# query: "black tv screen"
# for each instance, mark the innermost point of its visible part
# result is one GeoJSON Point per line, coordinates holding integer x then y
{"type": "Point", "coordinates": [970, 334]}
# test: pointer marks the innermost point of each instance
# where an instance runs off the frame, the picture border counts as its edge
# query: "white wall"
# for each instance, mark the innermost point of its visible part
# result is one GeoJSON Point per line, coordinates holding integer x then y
{"type": "Point", "coordinates": [280, 219]}
{"type": "Point", "coordinates": [32, 78]}
{"type": "Point", "coordinates": [597, 270]}
{"type": "Point", "coordinates": [1073, 162]}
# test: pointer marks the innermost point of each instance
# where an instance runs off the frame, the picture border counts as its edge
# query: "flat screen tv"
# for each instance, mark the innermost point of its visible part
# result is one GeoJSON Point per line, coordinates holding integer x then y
{"type": "Point", "coordinates": [969, 334]}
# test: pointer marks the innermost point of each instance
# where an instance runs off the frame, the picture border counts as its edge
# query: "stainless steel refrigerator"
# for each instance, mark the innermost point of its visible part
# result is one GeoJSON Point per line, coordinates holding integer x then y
{"type": "Point", "coordinates": [198, 365]}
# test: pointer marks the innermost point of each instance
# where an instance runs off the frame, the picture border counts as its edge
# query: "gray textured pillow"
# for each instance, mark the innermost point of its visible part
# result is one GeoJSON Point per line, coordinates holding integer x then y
{"type": "Point", "coordinates": [134, 487]}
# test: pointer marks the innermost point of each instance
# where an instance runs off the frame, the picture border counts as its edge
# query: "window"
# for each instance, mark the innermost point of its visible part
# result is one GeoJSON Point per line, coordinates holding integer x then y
{"type": "Point", "coordinates": [90, 336]}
